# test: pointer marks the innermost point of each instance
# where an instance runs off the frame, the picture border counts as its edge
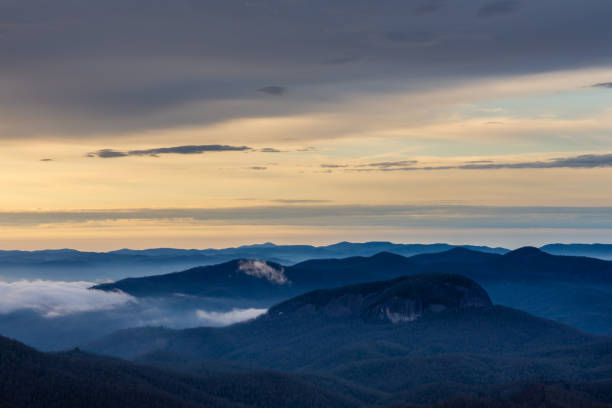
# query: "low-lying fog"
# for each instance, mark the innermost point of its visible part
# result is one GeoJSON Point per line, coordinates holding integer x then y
{"type": "Point", "coordinates": [57, 315]}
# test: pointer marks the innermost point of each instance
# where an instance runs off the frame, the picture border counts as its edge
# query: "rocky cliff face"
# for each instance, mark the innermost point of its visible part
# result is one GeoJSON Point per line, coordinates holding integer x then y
{"type": "Point", "coordinates": [398, 301]}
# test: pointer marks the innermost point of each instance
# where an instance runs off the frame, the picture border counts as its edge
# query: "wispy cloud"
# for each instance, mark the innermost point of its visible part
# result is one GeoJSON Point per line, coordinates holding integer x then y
{"type": "Point", "coordinates": [231, 317]}
{"type": "Point", "coordinates": [603, 85]}
{"type": "Point", "coordinates": [585, 161]}
{"type": "Point", "coordinates": [260, 168]}
{"type": "Point", "coordinates": [189, 149]}
{"type": "Point", "coordinates": [334, 166]}
{"type": "Point", "coordinates": [270, 150]}
{"type": "Point", "coordinates": [261, 269]}
{"type": "Point", "coordinates": [390, 164]}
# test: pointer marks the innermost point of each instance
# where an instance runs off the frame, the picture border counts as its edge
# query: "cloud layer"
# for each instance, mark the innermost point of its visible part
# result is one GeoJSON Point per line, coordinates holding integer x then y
{"type": "Point", "coordinates": [585, 161]}
{"type": "Point", "coordinates": [110, 153]}
{"type": "Point", "coordinates": [392, 215]}
{"type": "Point", "coordinates": [167, 73]}
{"type": "Point", "coordinates": [53, 299]}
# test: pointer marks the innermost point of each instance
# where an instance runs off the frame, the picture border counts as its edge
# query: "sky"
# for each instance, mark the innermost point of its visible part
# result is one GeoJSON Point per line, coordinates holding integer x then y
{"type": "Point", "coordinates": [214, 123]}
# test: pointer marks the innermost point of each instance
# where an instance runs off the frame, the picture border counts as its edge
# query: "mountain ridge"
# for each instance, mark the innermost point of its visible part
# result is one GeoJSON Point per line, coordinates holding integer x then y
{"type": "Point", "coordinates": [400, 300]}
{"type": "Point", "coordinates": [417, 301]}
{"type": "Point", "coordinates": [70, 264]}
{"type": "Point", "coordinates": [573, 290]}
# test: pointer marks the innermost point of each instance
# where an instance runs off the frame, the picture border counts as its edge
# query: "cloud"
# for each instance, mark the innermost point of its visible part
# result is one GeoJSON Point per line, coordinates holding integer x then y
{"type": "Point", "coordinates": [54, 299]}
{"type": "Point", "coordinates": [261, 269]}
{"type": "Point", "coordinates": [273, 90]}
{"type": "Point", "coordinates": [270, 150]}
{"type": "Point", "coordinates": [163, 79]}
{"type": "Point", "coordinates": [330, 215]}
{"type": "Point", "coordinates": [586, 161]}
{"type": "Point", "coordinates": [334, 166]}
{"type": "Point", "coordinates": [46, 160]}
{"type": "Point", "coordinates": [283, 201]}
{"type": "Point", "coordinates": [603, 85]}
{"type": "Point", "coordinates": [498, 8]}
{"type": "Point", "coordinates": [390, 164]}
{"type": "Point", "coordinates": [258, 168]}
{"type": "Point", "coordinates": [107, 154]}
{"type": "Point", "coordinates": [231, 317]}
{"type": "Point", "coordinates": [191, 149]}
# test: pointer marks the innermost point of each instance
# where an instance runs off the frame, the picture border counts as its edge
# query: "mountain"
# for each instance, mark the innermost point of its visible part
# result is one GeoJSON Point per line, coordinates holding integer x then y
{"type": "Point", "coordinates": [412, 340]}
{"type": "Point", "coordinates": [572, 290]}
{"type": "Point", "coordinates": [30, 379]}
{"type": "Point", "coordinates": [602, 251]}
{"type": "Point", "coordinates": [425, 311]}
{"type": "Point", "coordinates": [68, 264]}
{"type": "Point", "coordinates": [246, 277]}
{"type": "Point", "coordinates": [233, 279]}
{"type": "Point", "coordinates": [400, 300]}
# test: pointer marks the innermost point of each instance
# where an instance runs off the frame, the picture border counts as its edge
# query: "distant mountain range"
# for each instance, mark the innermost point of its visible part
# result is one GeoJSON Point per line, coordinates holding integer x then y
{"type": "Point", "coordinates": [256, 278]}
{"type": "Point", "coordinates": [602, 251]}
{"type": "Point", "coordinates": [411, 340]}
{"type": "Point", "coordinates": [67, 264]}
{"type": "Point", "coordinates": [573, 290]}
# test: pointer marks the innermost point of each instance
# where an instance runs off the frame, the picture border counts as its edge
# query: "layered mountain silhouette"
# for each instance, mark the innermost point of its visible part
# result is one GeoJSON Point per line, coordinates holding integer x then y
{"type": "Point", "coordinates": [68, 264]}
{"type": "Point", "coordinates": [427, 312]}
{"type": "Point", "coordinates": [603, 251]}
{"type": "Point", "coordinates": [573, 290]}
{"type": "Point", "coordinates": [522, 265]}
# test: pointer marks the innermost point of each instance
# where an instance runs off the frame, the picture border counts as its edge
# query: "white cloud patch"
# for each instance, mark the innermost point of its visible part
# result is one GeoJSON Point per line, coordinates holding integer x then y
{"type": "Point", "coordinates": [54, 299]}
{"type": "Point", "coordinates": [226, 318]}
{"type": "Point", "coordinates": [260, 269]}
